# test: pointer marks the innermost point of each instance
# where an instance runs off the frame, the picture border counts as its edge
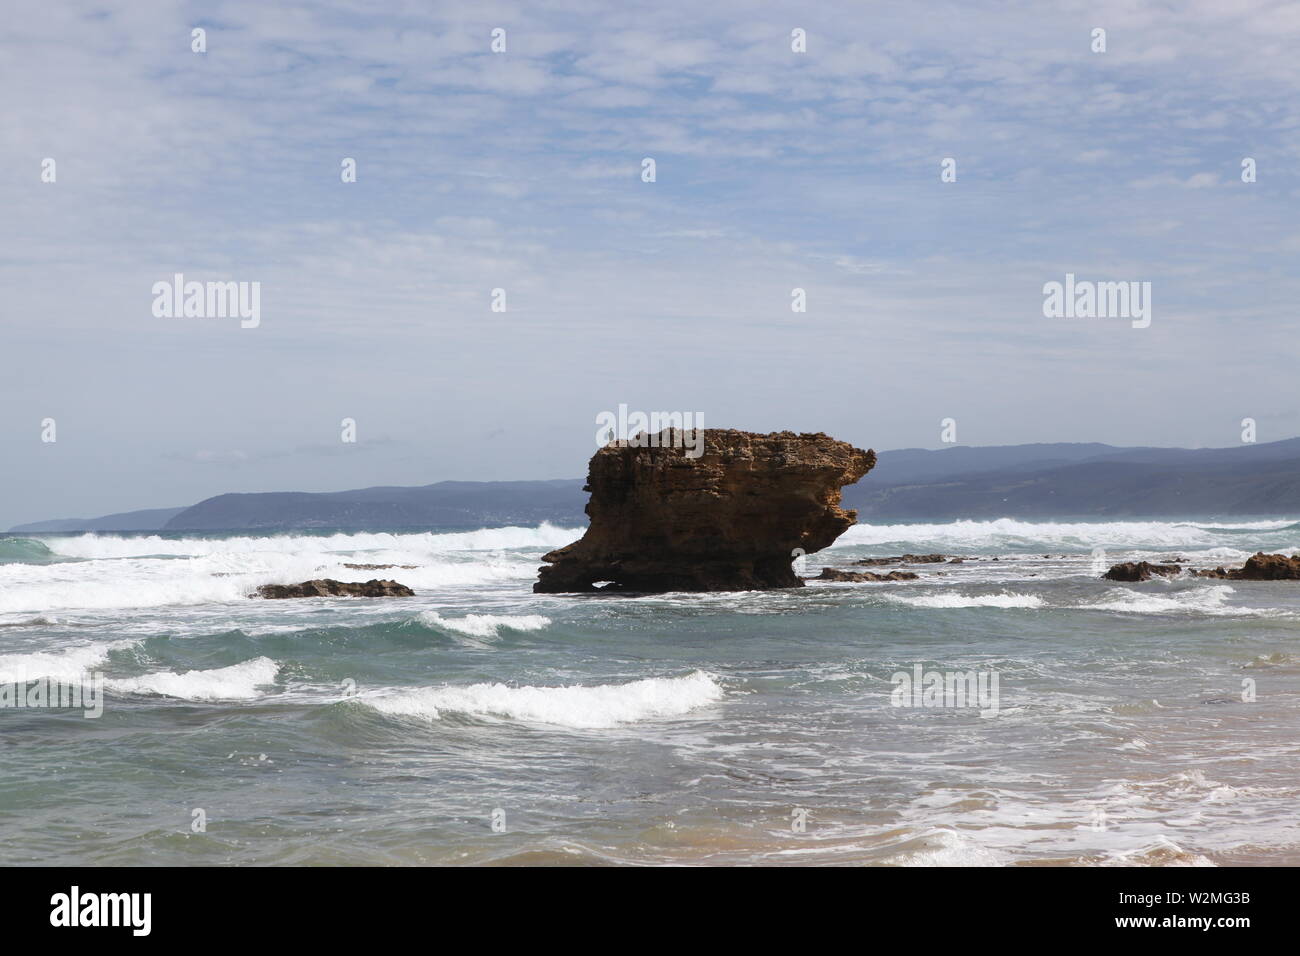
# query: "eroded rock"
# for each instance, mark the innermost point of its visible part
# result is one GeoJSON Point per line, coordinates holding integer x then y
{"type": "Point", "coordinates": [732, 519]}
{"type": "Point", "coordinates": [1140, 571]}
{"type": "Point", "coordinates": [1260, 567]}
{"type": "Point", "coordinates": [328, 587]}
{"type": "Point", "coordinates": [836, 574]}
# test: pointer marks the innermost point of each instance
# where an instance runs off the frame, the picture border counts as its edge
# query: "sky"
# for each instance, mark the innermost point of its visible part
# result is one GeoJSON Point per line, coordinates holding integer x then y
{"type": "Point", "coordinates": [522, 170]}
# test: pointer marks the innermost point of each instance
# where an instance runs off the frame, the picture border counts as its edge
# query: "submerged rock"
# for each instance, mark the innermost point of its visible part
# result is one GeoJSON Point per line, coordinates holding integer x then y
{"type": "Point", "coordinates": [906, 559]}
{"type": "Point", "coordinates": [835, 574]}
{"type": "Point", "coordinates": [732, 519]}
{"type": "Point", "coordinates": [327, 587]}
{"type": "Point", "coordinates": [1140, 571]}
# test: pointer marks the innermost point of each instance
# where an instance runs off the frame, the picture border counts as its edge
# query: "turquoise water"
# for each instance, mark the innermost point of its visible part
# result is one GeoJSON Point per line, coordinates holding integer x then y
{"type": "Point", "coordinates": [717, 728]}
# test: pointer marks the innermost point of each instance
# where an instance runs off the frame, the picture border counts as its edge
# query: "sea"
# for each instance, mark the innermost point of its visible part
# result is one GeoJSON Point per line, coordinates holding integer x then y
{"type": "Point", "coordinates": [478, 723]}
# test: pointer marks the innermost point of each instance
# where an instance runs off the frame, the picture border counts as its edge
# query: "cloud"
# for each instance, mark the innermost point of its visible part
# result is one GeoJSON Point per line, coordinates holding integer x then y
{"type": "Point", "coordinates": [521, 171]}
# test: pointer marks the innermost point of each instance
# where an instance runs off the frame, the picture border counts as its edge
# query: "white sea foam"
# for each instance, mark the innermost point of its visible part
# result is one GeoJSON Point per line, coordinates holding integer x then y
{"type": "Point", "coordinates": [1164, 852]}
{"type": "Point", "coordinates": [22, 620]}
{"type": "Point", "coordinates": [944, 847]}
{"type": "Point", "coordinates": [955, 599]}
{"type": "Point", "coordinates": [69, 665]}
{"type": "Point", "coordinates": [1111, 535]}
{"type": "Point", "coordinates": [115, 585]}
{"type": "Point", "coordinates": [1207, 600]}
{"type": "Point", "coordinates": [486, 625]}
{"type": "Point", "coordinates": [237, 682]}
{"type": "Point", "coordinates": [118, 572]}
{"type": "Point", "coordinates": [544, 536]}
{"type": "Point", "coordinates": [1197, 600]}
{"type": "Point", "coordinates": [601, 706]}
{"type": "Point", "coordinates": [220, 579]}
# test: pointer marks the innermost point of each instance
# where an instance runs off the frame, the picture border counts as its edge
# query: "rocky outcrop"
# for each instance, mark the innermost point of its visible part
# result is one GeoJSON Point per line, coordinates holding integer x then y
{"type": "Point", "coordinates": [835, 574]}
{"type": "Point", "coordinates": [732, 519]}
{"type": "Point", "coordinates": [1260, 567]}
{"type": "Point", "coordinates": [1140, 571]}
{"type": "Point", "coordinates": [327, 587]}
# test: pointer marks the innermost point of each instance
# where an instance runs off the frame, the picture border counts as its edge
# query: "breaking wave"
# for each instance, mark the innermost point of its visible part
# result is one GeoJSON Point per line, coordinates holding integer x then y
{"type": "Point", "coordinates": [116, 572]}
{"type": "Point", "coordinates": [1011, 533]}
{"type": "Point", "coordinates": [944, 847]}
{"type": "Point", "coordinates": [1195, 600]}
{"type": "Point", "coordinates": [1208, 600]}
{"type": "Point", "coordinates": [69, 665]}
{"type": "Point", "coordinates": [425, 544]}
{"type": "Point", "coordinates": [237, 682]}
{"type": "Point", "coordinates": [601, 706]}
{"type": "Point", "coordinates": [953, 599]}
{"type": "Point", "coordinates": [485, 625]}
{"type": "Point", "coordinates": [24, 551]}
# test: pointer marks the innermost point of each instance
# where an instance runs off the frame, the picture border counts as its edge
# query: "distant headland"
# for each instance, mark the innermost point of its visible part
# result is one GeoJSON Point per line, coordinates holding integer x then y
{"type": "Point", "coordinates": [1019, 481]}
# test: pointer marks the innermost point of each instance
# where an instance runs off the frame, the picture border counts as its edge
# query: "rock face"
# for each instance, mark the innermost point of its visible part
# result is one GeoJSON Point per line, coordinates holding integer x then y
{"type": "Point", "coordinates": [728, 520]}
{"type": "Point", "coordinates": [1140, 571]}
{"type": "Point", "coordinates": [1260, 567]}
{"type": "Point", "coordinates": [327, 587]}
{"type": "Point", "coordinates": [835, 574]}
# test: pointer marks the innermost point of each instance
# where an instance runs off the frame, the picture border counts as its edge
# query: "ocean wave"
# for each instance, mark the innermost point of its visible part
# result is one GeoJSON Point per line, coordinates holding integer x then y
{"type": "Point", "coordinates": [422, 544]}
{"type": "Point", "coordinates": [943, 847]}
{"type": "Point", "coordinates": [222, 578]}
{"type": "Point", "coordinates": [578, 707]}
{"type": "Point", "coordinates": [115, 572]}
{"type": "Point", "coordinates": [1163, 852]}
{"type": "Point", "coordinates": [1211, 600]}
{"type": "Point", "coordinates": [1187, 790]}
{"type": "Point", "coordinates": [954, 599]}
{"type": "Point", "coordinates": [1205, 600]}
{"type": "Point", "coordinates": [485, 625]}
{"type": "Point", "coordinates": [40, 620]}
{"type": "Point", "coordinates": [24, 551]}
{"type": "Point", "coordinates": [236, 682]}
{"type": "Point", "coordinates": [92, 586]}
{"type": "Point", "coordinates": [69, 665]}
{"type": "Point", "coordinates": [1013, 533]}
